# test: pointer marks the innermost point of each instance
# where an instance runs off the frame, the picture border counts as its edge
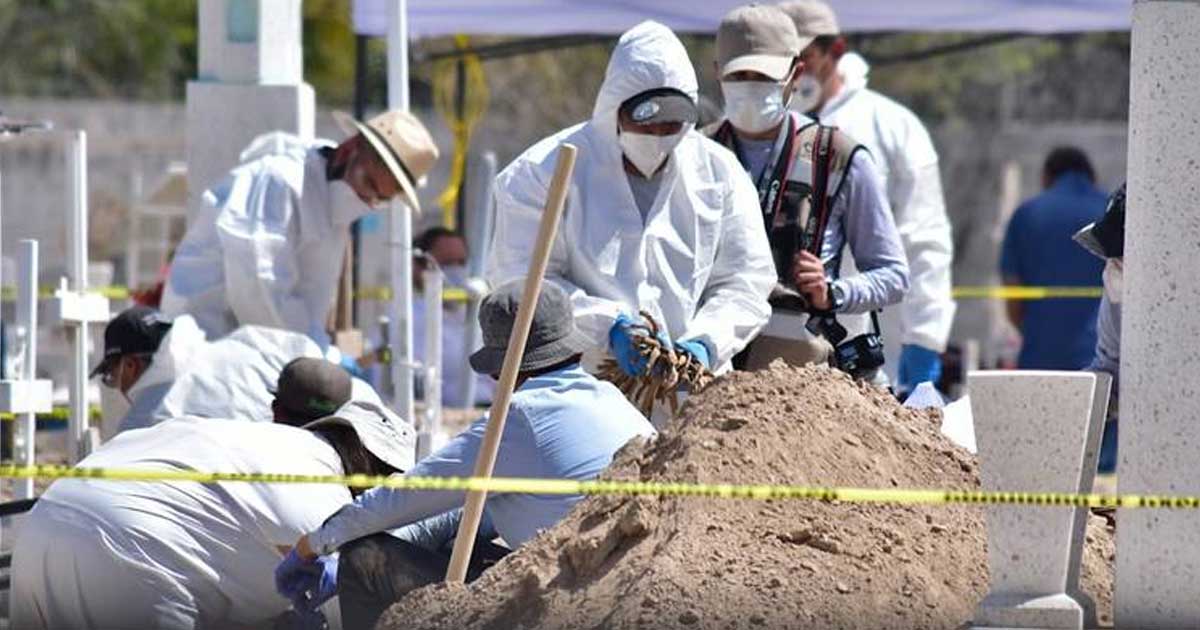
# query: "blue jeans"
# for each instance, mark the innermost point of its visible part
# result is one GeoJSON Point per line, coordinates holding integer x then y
{"type": "Point", "coordinates": [1108, 449]}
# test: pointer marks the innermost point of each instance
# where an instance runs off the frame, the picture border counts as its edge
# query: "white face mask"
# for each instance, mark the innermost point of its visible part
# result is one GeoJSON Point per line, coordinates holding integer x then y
{"type": "Point", "coordinates": [648, 152]}
{"type": "Point", "coordinates": [754, 106]}
{"type": "Point", "coordinates": [807, 94]}
{"type": "Point", "coordinates": [1113, 279]}
{"type": "Point", "coordinates": [344, 205]}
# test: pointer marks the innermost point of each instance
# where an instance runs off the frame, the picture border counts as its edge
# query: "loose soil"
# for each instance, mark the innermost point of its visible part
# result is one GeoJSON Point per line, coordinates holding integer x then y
{"type": "Point", "coordinates": [649, 562]}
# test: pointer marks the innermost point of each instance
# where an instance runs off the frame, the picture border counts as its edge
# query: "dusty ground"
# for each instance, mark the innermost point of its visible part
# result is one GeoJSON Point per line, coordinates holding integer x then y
{"type": "Point", "coordinates": [699, 563]}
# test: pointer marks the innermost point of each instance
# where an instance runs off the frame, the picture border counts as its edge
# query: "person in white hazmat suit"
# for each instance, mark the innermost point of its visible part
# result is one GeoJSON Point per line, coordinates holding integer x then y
{"type": "Point", "coordinates": [658, 217]}
{"type": "Point", "coordinates": [820, 192]}
{"type": "Point", "coordinates": [166, 369]}
{"type": "Point", "coordinates": [916, 333]}
{"type": "Point", "coordinates": [268, 247]}
{"type": "Point", "coordinates": [183, 555]}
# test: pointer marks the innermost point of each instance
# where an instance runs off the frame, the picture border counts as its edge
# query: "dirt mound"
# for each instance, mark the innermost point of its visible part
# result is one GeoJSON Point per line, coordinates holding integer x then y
{"type": "Point", "coordinates": [651, 562]}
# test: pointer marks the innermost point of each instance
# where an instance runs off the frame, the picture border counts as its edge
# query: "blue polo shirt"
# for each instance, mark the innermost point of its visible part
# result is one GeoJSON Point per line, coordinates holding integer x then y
{"type": "Point", "coordinates": [1058, 334]}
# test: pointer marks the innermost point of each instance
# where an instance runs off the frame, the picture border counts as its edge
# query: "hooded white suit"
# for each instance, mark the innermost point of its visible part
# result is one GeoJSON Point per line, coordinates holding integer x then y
{"type": "Point", "coordinates": [267, 249]}
{"type": "Point", "coordinates": [700, 263]}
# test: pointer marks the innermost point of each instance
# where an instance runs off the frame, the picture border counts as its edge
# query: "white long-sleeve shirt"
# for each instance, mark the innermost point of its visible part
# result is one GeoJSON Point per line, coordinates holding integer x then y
{"type": "Point", "coordinates": [176, 555]}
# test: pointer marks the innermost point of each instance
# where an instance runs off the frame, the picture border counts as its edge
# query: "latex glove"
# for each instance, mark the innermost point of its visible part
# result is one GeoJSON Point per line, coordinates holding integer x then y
{"type": "Point", "coordinates": [350, 365]}
{"type": "Point", "coordinates": [621, 343]}
{"type": "Point", "coordinates": [917, 365]}
{"type": "Point", "coordinates": [697, 349]}
{"type": "Point", "coordinates": [326, 585]}
{"type": "Point", "coordinates": [295, 577]}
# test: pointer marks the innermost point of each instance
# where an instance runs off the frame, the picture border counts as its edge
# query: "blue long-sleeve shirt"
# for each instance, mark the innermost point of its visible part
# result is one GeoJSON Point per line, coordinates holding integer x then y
{"type": "Point", "coordinates": [564, 424]}
{"type": "Point", "coordinates": [1057, 334]}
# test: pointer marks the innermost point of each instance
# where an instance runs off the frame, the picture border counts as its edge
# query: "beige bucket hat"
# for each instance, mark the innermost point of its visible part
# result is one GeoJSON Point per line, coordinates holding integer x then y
{"type": "Point", "coordinates": [402, 142]}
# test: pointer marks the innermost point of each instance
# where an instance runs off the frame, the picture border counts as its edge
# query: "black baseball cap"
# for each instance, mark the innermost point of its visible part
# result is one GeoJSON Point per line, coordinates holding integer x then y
{"type": "Point", "coordinates": [1105, 238]}
{"type": "Point", "coordinates": [136, 330]}
{"type": "Point", "coordinates": [661, 105]}
{"type": "Point", "coordinates": [311, 388]}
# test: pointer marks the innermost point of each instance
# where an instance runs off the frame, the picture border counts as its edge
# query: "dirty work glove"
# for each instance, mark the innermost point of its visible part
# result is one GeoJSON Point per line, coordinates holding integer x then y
{"type": "Point", "coordinates": [295, 577]}
{"type": "Point", "coordinates": [622, 344]}
{"type": "Point", "coordinates": [917, 365]}
{"type": "Point", "coordinates": [697, 349]}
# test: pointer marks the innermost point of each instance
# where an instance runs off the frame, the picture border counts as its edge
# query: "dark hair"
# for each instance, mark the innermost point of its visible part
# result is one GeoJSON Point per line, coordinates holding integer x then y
{"type": "Point", "coordinates": [1063, 160]}
{"type": "Point", "coordinates": [356, 459]}
{"type": "Point", "coordinates": [825, 42]}
{"type": "Point", "coordinates": [427, 239]}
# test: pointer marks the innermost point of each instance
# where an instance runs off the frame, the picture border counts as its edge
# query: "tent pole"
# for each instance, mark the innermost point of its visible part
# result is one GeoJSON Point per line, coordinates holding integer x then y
{"type": "Point", "coordinates": [400, 227]}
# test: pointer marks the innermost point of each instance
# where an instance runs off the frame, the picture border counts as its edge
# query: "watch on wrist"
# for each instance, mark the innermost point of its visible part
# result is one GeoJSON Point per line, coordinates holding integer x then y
{"type": "Point", "coordinates": [837, 296]}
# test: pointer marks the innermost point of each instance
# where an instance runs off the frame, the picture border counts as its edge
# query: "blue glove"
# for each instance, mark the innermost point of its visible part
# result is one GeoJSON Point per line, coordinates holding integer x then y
{"type": "Point", "coordinates": [307, 583]}
{"type": "Point", "coordinates": [917, 365]}
{"type": "Point", "coordinates": [295, 576]}
{"type": "Point", "coordinates": [327, 585]}
{"type": "Point", "coordinates": [697, 349]}
{"type": "Point", "coordinates": [621, 343]}
{"type": "Point", "coordinates": [350, 364]}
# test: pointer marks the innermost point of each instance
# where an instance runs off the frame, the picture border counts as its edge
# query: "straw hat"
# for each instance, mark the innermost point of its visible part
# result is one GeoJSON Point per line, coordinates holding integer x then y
{"type": "Point", "coordinates": [402, 142]}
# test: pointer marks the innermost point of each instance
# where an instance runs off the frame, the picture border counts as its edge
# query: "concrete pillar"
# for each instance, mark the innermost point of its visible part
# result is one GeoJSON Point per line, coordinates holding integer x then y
{"type": "Point", "coordinates": [1158, 551]}
{"type": "Point", "coordinates": [250, 82]}
{"type": "Point", "coordinates": [1036, 432]}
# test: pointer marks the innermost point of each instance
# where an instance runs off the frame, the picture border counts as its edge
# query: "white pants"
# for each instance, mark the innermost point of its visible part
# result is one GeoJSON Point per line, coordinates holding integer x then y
{"type": "Point", "coordinates": [67, 575]}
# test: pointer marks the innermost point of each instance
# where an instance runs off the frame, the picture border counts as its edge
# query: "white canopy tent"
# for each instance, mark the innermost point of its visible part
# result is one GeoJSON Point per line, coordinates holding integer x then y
{"type": "Point", "coordinates": [531, 18]}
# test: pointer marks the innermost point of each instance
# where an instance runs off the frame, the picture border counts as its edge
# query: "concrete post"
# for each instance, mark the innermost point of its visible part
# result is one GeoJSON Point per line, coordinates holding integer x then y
{"type": "Point", "coordinates": [1035, 434]}
{"type": "Point", "coordinates": [250, 82]}
{"type": "Point", "coordinates": [1158, 551]}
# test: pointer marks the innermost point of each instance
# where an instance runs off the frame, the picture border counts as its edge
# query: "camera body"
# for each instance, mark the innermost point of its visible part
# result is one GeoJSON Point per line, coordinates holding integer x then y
{"type": "Point", "coordinates": [861, 356]}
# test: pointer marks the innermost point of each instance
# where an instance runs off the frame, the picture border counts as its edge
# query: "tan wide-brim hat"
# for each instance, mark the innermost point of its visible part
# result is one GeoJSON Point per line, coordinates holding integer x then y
{"type": "Point", "coordinates": [402, 142]}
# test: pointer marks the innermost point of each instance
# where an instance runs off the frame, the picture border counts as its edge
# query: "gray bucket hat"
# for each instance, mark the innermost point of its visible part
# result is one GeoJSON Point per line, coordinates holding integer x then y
{"type": "Point", "coordinates": [553, 337]}
{"type": "Point", "coordinates": [382, 432]}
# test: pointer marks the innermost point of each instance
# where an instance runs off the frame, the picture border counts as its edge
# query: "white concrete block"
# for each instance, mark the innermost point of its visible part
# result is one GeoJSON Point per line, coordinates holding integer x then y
{"type": "Point", "coordinates": [1032, 432]}
{"type": "Point", "coordinates": [223, 119]}
{"type": "Point", "coordinates": [71, 307]}
{"type": "Point", "coordinates": [1158, 551]}
{"type": "Point", "coordinates": [251, 42]}
{"type": "Point", "coordinates": [26, 396]}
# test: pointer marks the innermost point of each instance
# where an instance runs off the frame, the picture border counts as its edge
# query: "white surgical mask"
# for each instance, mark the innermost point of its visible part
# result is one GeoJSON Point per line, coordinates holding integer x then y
{"type": "Point", "coordinates": [344, 205]}
{"type": "Point", "coordinates": [1113, 279]}
{"type": "Point", "coordinates": [807, 94]}
{"type": "Point", "coordinates": [754, 106]}
{"type": "Point", "coordinates": [648, 152]}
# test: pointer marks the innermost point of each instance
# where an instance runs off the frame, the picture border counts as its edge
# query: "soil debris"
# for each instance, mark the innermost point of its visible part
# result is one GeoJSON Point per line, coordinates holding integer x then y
{"type": "Point", "coordinates": [651, 562]}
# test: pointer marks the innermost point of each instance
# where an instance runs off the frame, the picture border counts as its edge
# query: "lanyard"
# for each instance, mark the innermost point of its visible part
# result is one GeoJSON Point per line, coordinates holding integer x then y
{"type": "Point", "coordinates": [772, 181]}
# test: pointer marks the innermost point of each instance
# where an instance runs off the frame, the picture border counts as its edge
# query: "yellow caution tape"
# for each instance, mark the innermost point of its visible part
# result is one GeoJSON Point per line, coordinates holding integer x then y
{"type": "Point", "coordinates": [57, 413]}
{"type": "Point", "coordinates": [1025, 293]}
{"type": "Point", "coordinates": [454, 294]}
{"type": "Point", "coordinates": [462, 124]}
{"type": "Point", "coordinates": [626, 488]}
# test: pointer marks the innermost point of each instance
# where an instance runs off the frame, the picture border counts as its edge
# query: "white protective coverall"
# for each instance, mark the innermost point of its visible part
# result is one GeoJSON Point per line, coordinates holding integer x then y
{"type": "Point", "coordinates": [233, 377]}
{"type": "Point", "coordinates": [700, 264]}
{"type": "Point", "coordinates": [175, 555]}
{"type": "Point", "coordinates": [908, 163]}
{"type": "Point", "coordinates": [267, 249]}
{"type": "Point", "coordinates": [172, 359]}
